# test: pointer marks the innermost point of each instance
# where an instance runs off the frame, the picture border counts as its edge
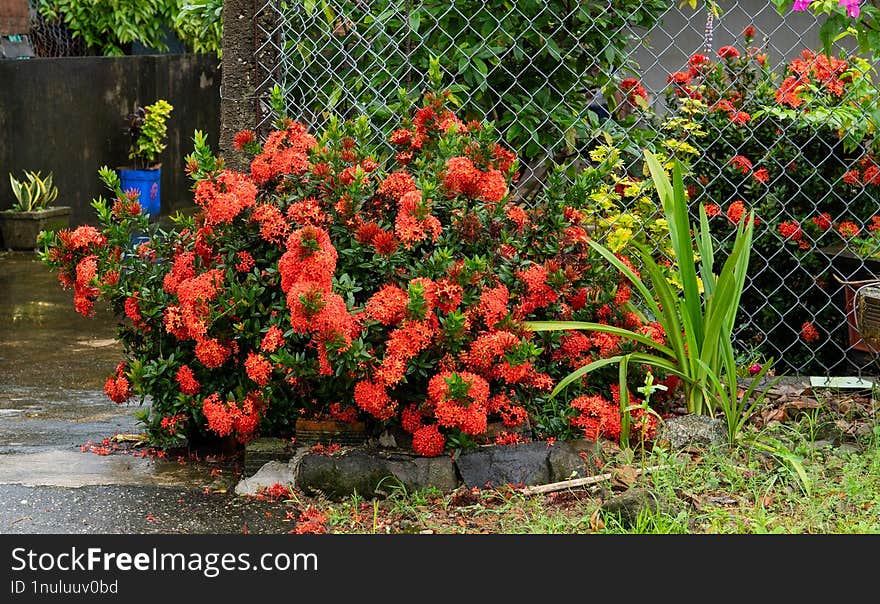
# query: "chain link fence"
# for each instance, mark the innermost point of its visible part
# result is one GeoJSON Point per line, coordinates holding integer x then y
{"type": "Point", "coordinates": [52, 38]}
{"type": "Point", "coordinates": [763, 124]}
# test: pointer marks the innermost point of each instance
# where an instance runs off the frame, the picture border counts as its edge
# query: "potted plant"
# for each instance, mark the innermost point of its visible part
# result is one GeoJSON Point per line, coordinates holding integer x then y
{"type": "Point", "coordinates": [31, 212]}
{"type": "Point", "coordinates": [148, 130]}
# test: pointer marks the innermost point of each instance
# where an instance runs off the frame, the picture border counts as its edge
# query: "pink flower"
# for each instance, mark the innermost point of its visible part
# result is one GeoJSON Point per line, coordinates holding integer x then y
{"type": "Point", "coordinates": [852, 7]}
{"type": "Point", "coordinates": [801, 5]}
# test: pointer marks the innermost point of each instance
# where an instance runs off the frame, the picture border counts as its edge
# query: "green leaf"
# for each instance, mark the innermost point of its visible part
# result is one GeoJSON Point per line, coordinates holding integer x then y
{"type": "Point", "coordinates": [415, 19]}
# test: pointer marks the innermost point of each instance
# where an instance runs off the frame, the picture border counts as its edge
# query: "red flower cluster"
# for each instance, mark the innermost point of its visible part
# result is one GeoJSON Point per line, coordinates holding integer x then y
{"type": "Point", "coordinates": [633, 89]}
{"type": "Point", "coordinates": [373, 399]}
{"type": "Point", "coordinates": [258, 368]}
{"type": "Point", "coordinates": [792, 230]}
{"type": "Point", "coordinates": [285, 152]}
{"type": "Point", "coordinates": [464, 178]}
{"type": "Point", "coordinates": [460, 401]}
{"type": "Point", "coordinates": [821, 69]}
{"type": "Point", "coordinates": [596, 416]}
{"type": "Point", "coordinates": [77, 253]}
{"type": "Point", "coordinates": [809, 333]}
{"type": "Point", "coordinates": [273, 340]}
{"type": "Point", "coordinates": [728, 52]}
{"type": "Point", "coordinates": [186, 379]}
{"type": "Point", "coordinates": [117, 387]}
{"type": "Point", "coordinates": [848, 229]}
{"type": "Point", "coordinates": [225, 197]}
{"type": "Point", "coordinates": [428, 441]}
{"type": "Point", "coordinates": [741, 163]}
{"type": "Point", "coordinates": [228, 417]}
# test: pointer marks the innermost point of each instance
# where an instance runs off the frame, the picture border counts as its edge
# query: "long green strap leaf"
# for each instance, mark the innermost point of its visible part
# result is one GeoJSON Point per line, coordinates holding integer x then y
{"type": "Point", "coordinates": [637, 357]}
{"type": "Point", "coordinates": [674, 201]}
{"type": "Point", "coordinates": [669, 309]}
{"type": "Point", "coordinates": [707, 255]}
{"type": "Point", "coordinates": [609, 329]}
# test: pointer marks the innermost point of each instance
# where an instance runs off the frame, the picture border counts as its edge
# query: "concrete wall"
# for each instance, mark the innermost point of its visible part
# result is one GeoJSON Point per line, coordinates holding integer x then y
{"type": "Point", "coordinates": [67, 116]}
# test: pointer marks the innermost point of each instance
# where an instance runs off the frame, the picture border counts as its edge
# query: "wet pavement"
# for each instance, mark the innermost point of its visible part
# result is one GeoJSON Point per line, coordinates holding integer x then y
{"type": "Point", "coordinates": [63, 469]}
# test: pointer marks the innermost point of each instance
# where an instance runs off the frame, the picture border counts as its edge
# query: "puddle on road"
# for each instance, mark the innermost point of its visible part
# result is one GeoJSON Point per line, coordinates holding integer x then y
{"type": "Point", "coordinates": [77, 469]}
{"type": "Point", "coordinates": [43, 341]}
{"type": "Point", "coordinates": [53, 363]}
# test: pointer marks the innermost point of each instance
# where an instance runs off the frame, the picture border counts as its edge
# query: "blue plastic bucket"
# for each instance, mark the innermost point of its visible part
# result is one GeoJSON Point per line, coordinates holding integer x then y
{"type": "Point", "coordinates": [146, 183]}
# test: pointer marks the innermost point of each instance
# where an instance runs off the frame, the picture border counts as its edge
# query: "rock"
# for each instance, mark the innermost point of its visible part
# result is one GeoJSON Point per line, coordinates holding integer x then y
{"type": "Point", "coordinates": [373, 473]}
{"type": "Point", "coordinates": [628, 505]}
{"type": "Point", "coordinates": [387, 440]}
{"type": "Point", "coordinates": [393, 437]}
{"type": "Point", "coordinates": [266, 476]}
{"type": "Point", "coordinates": [523, 464]}
{"type": "Point", "coordinates": [261, 451]}
{"type": "Point", "coordinates": [847, 448]}
{"type": "Point", "coordinates": [693, 429]}
{"type": "Point", "coordinates": [818, 445]}
{"type": "Point", "coordinates": [565, 459]}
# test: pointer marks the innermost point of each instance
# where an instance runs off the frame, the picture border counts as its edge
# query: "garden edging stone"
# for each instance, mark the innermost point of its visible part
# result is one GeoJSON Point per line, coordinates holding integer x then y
{"type": "Point", "coordinates": [374, 472]}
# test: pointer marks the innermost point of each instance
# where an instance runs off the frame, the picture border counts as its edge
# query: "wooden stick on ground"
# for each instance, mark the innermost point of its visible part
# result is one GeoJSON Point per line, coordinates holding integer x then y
{"type": "Point", "coordinates": [577, 482]}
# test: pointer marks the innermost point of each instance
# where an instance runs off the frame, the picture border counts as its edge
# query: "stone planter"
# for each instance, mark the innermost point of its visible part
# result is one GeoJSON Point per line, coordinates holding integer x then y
{"type": "Point", "coordinates": [19, 230]}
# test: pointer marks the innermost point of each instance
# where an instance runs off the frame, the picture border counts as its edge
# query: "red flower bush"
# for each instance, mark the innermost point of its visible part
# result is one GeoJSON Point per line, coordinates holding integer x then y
{"type": "Point", "coordinates": [326, 283]}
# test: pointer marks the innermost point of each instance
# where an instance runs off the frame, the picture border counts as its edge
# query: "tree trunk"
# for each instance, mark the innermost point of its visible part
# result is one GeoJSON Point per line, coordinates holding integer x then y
{"type": "Point", "coordinates": [238, 79]}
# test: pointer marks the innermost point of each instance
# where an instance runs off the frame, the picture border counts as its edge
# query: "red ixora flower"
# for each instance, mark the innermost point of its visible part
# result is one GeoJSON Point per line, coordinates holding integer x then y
{"type": "Point", "coordinates": [740, 117]}
{"type": "Point", "coordinates": [742, 163]}
{"type": "Point", "coordinates": [712, 209]}
{"type": "Point", "coordinates": [848, 229]}
{"type": "Point", "coordinates": [728, 52]}
{"type": "Point", "coordinates": [823, 221]}
{"type": "Point", "coordinates": [258, 368]}
{"type": "Point", "coordinates": [735, 211]}
{"type": "Point", "coordinates": [790, 230]}
{"type": "Point", "coordinates": [428, 441]}
{"type": "Point", "coordinates": [117, 386]}
{"type": "Point", "coordinates": [633, 88]}
{"type": "Point", "coordinates": [596, 416]}
{"type": "Point", "coordinates": [243, 138]}
{"type": "Point", "coordinates": [186, 379]}
{"type": "Point", "coordinates": [761, 175]}
{"type": "Point", "coordinates": [273, 339]}
{"type": "Point", "coordinates": [852, 177]}
{"type": "Point", "coordinates": [809, 333]}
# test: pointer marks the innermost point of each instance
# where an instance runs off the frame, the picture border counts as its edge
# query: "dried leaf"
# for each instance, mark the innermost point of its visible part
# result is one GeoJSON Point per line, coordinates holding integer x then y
{"type": "Point", "coordinates": [596, 522]}
{"type": "Point", "coordinates": [788, 390]}
{"type": "Point", "coordinates": [693, 499]}
{"type": "Point", "coordinates": [773, 414]}
{"type": "Point", "coordinates": [845, 426]}
{"type": "Point", "coordinates": [624, 476]}
{"type": "Point", "coordinates": [723, 500]}
{"type": "Point", "coordinates": [800, 405]}
{"type": "Point", "coordinates": [122, 438]}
